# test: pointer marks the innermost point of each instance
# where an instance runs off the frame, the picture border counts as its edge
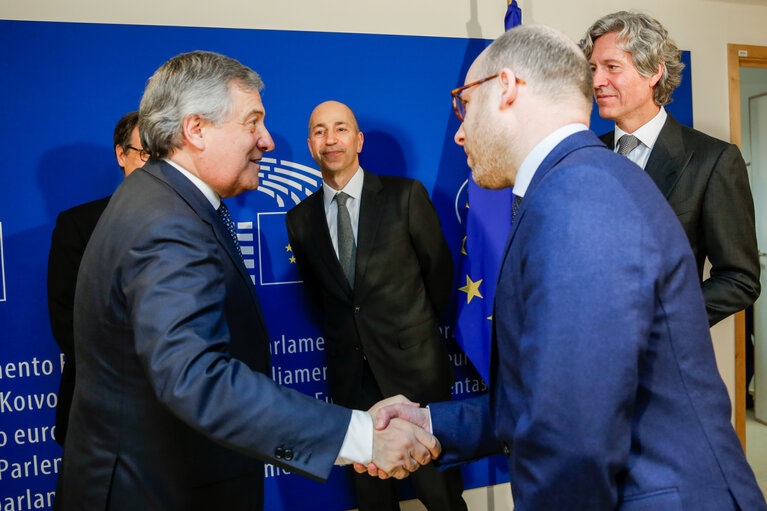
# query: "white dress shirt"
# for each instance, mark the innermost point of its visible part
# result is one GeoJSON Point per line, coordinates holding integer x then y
{"type": "Point", "coordinates": [204, 187]}
{"type": "Point", "coordinates": [539, 153]}
{"type": "Point", "coordinates": [354, 190]}
{"type": "Point", "coordinates": [358, 442]}
{"type": "Point", "coordinates": [647, 136]}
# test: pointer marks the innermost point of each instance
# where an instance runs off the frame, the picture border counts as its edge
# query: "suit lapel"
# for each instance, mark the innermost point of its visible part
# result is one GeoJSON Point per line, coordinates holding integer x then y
{"type": "Point", "coordinates": [572, 143]}
{"type": "Point", "coordinates": [668, 159]}
{"type": "Point", "coordinates": [322, 241]}
{"type": "Point", "coordinates": [367, 228]}
{"type": "Point", "coordinates": [200, 204]}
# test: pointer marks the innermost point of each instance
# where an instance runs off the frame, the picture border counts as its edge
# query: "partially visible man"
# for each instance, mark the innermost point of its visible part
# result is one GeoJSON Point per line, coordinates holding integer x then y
{"type": "Point", "coordinates": [70, 236]}
{"type": "Point", "coordinates": [636, 67]}
{"type": "Point", "coordinates": [173, 407]}
{"type": "Point", "coordinates": [372, 254]}
{"type": "Point", "coordinates": [604, 392]}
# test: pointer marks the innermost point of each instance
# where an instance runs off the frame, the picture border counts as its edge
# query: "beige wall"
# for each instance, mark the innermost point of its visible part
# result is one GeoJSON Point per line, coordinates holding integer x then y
{"type": "Point", "coordinates": [704, 27]}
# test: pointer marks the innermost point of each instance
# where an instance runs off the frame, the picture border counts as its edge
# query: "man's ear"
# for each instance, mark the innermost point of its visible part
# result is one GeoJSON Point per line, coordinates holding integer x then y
{"type": "Point", "coordinates": [654, 79]}
{"type": "Point", "coordinates": [509, 87]}
{"type": "Point", "coordinates": [120, 155]}
{"type": "Point", "coordinates": [360, 140]}
{"type": "Point", "coordinates": [193, 128]}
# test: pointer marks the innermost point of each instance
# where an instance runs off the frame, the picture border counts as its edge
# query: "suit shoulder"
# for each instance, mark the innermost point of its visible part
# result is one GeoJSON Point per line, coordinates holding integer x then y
{"type": "Point", "coordinates": [396, 180]}
{"type": "Point", "coordinates": [91, 208]}
{"type": "Point", "coordinates": [607, 138]}
{"type": "Point", "coordinates": [696, 139]}
{"type": "Point", "coordinates": [399, 184]}
{"type": "Point", "coordinates": [304, 206]}
{"type": "Point", "coordinates": [82, 217]}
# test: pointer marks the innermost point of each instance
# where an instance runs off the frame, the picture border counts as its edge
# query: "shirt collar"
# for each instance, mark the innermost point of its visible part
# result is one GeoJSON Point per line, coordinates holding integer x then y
{"type": "Point", "coordinates": [353, 188]}
{"type": "Point", "coordinates": [538, 154]}
{"type": "Point", "coordinates": [648, 133]}
{"type": "Point", "coordinates": [204, 187]}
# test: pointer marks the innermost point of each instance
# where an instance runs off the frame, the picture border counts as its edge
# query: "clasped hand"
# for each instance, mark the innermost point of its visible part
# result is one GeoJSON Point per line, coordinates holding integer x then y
{"type": "Point", "coordinates": [401, 441]}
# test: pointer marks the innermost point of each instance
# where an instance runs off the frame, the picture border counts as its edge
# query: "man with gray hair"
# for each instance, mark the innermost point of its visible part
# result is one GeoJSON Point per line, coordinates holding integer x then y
{"type": "Point", "coordinates": [636, 67]}
{"type": "Point", "coordinates": [173, 407]}
{"type": "Point", "coordinates": [604, 392]}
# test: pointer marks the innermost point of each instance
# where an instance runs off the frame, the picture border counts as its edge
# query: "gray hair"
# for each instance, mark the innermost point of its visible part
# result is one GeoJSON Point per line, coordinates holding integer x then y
{"type": "Point", "coordinates": [649, 45]}
{"type": "Point", "coordinates": [546, 60]}
{"type": "Point", "coordinates": [196, 83]}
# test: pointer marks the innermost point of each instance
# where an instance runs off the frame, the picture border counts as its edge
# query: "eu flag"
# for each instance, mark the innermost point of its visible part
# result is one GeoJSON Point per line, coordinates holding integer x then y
{"type": "Point", "coordinates": [276, 263]}
{"type": "Point", "coordinates": [487, 226]}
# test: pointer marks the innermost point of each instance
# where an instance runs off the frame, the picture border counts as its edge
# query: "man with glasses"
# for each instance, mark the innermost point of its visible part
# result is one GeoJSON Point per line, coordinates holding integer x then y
{"type": "Point", "coordinates": [72, 232]}
{"type": "Point", "coordinates": [373, 257]}
{"type": "Point", "coordinates": [604, 392]}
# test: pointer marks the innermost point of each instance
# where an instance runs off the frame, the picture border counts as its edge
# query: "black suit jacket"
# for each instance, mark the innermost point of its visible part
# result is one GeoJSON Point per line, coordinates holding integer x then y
{"type": "Point", "coordinates": [705, 181]}
{"type": "Point", "coordinates": [70, 236]}
{"type": "Point", "coordinates": [403, 280]}
{"type": "Point", "coordinates": [173, 400]}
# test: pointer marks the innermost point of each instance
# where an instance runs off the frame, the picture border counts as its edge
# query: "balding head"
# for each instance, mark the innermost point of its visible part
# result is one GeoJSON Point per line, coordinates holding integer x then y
{"type": "Point", "coordinates": [335, 142]}
{"type": "Point", "coordinates": [336, 108]}
{"type": "Point", "coordinates": [528, 83]}
{"type": "Point", "coordinates": [549, 62]}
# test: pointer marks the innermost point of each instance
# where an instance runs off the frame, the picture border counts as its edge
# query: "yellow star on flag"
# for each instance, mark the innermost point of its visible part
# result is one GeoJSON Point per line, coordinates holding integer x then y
{"type": "Point", "coordinates": [288, 248]}
{"type": "Point", "coordinates": [463, 246]}
{"type": "Point", "coordinates": [292, 259]}
{"type": "Point", "coordinates": [471, 289]}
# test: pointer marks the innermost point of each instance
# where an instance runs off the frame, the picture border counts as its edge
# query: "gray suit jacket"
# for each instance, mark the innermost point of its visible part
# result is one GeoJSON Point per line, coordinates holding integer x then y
{"type": "Point", "coordinates": [173, 408]}
{"type": "Point", "coordinates": [706, 183]}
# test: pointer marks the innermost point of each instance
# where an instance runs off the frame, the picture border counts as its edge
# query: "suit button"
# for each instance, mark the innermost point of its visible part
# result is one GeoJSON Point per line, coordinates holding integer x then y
{"type": "Point", "coordinates": [506, 449]}
{"type": "Point", "coordinates": [288, 454]}
{"type": "Point", "coordinates": [356, 310]}
{"type": "Point", "coordinates": [279, 453]}
{"type": "Point", "coordinates": [357, 347]}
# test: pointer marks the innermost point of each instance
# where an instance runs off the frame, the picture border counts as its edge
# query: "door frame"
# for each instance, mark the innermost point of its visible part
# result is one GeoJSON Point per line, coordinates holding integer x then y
{"type": "Point", "coordinates": [740, 55]}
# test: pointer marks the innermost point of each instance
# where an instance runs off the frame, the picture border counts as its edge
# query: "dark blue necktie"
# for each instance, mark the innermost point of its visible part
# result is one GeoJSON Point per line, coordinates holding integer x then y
{"type": "Point", "coordinates": [223, 212]}
{"type": "Point", "coordinates": [515, 207]}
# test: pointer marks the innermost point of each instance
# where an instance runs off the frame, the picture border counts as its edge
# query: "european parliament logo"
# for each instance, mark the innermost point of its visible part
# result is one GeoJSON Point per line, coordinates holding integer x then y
{"type": "Point", "coordinates": [288, 181]}
{"type": "Point", "coordinates": [2, 266]}
{"type": "Point", "coordinates": [265, 246]}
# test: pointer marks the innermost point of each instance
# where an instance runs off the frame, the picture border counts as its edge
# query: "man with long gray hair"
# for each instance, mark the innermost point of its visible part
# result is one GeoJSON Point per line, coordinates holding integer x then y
{"type": "Point", "coordinates": [173, 407]}
{"type": "Point", "coordinates": [636, 67]}
{"type": "Point", "coordinates": [604, 392]}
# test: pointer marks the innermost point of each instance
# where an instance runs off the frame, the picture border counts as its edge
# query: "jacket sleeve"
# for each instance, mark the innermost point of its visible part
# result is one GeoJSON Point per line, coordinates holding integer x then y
{"type": "Point", "coordinates": [464, 430]}
{"type": "Point", "coordinates": [431, 248]}
{"type": "Point", "coordinates": [67, 247]}
{"type": "Point", "coordinates": [173, 285]}
{"type": "Point", "coordinates": [730, 238]}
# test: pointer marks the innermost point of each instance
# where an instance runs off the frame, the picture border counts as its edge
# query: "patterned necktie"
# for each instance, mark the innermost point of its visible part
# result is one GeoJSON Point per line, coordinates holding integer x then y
{"type": "Point", "coordinates": [515, 207]}
{"type": "Point", "coordinates": [223, 212]}
{"type": "Point", "coordinates": [347, 252]}
{"type": "Point", "coordinates": [626, 144]}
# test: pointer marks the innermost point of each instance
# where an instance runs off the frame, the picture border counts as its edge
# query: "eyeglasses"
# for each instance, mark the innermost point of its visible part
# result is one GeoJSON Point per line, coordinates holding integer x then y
{"type": "Point", "coordinates": [459, 104]}
{"type": "Point", "coordinates": [144, 155]}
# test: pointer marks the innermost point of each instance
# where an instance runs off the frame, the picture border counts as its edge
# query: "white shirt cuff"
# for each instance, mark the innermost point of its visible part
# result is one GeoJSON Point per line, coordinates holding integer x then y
{"type": "Point", "coordinates": [358, 442]}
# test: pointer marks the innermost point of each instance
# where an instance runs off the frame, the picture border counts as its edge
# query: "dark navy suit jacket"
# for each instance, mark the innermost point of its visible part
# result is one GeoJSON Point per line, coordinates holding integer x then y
{"type": "Point", "coordinates": [173, 408]}
{"type": "Point", "coordinates": [604, 389]}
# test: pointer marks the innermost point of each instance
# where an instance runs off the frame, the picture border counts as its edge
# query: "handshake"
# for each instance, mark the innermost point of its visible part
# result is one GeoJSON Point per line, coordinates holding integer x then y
{"type": "Point", "coordinates": [402, 442]}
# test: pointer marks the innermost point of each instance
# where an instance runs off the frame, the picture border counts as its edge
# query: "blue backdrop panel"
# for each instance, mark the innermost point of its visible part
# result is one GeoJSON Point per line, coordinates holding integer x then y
{"type": "Point", "coordinates": [64, 86]}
